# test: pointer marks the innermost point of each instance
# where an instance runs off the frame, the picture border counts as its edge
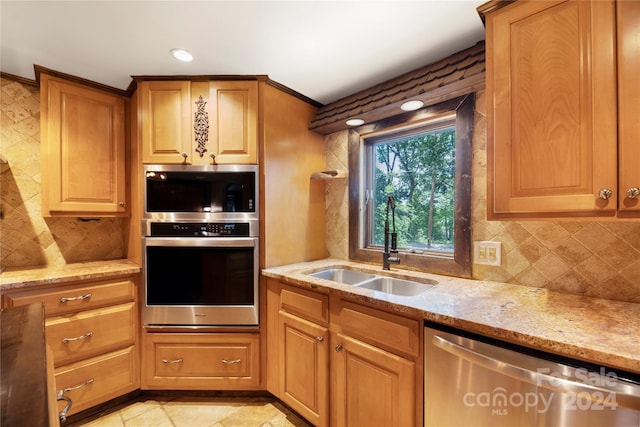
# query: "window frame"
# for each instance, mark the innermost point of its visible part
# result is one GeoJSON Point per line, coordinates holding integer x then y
{"type": "Point", "coordinates": [460, 263]}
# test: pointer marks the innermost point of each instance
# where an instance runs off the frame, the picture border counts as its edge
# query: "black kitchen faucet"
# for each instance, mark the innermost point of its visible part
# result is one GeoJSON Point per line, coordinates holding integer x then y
{"type": "Point", "coordinates": [387, 259]}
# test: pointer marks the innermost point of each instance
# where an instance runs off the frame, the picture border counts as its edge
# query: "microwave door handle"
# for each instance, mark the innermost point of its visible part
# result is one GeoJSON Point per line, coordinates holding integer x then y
{"type": "Point", "coordinates": [626, 395]}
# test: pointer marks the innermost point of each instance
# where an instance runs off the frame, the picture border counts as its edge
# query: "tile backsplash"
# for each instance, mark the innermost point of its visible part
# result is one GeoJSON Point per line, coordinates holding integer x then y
{"type": "Point", "coordinates": [587, 257]}
{"type": "Point", "coordinates": [597, 258]}
{"type": "Point", "coordinates": [26, 238]}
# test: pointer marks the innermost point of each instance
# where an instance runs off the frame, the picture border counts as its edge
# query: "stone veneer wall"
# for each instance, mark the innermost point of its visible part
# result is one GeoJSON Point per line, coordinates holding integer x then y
{"type": "Point", "coordinates": [26, 238]}
{"type": "Point", "coordinates": [587, 257]}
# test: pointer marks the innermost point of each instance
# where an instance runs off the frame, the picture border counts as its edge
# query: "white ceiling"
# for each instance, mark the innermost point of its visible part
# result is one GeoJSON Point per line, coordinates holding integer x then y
{"type": "Point", "coordinates": [324, 50]}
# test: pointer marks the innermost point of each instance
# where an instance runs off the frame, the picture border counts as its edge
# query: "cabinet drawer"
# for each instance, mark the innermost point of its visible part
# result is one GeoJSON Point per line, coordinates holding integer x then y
{"type": "Point", "coordinates": [309, 305]}
{"type": "Point", "coordinates": [91, 332]}
{"type": "Point", "coordinates": [198, 361]}
{"type": "Point", "coordinates": [70, 299]}
{"type": "Point", "coordinates": [382, 329]}
{"type": "Point", "coordinates": [97, 380]}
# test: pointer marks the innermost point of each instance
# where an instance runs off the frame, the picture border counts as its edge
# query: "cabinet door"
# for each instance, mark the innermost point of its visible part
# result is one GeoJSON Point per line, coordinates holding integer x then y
{"type": "Point", "coordinates": [82, 150]}
{"type": "Point", "coordinates": [628, 15]}
{"type": "Point", "coordinates": [370, 387]}
{"type": "Point", "coordinates": [304, 367]}
{"type": "Point", "coordinates": [165, 117]}
{"type": "Point", "coordinates": [233, 130]}
{"type": "Point", "coordinates": [551, 117]}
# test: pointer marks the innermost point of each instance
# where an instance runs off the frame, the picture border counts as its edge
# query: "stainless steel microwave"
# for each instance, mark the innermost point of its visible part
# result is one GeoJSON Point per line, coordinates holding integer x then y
{"type": "Point", "coordinates": [201, 193]}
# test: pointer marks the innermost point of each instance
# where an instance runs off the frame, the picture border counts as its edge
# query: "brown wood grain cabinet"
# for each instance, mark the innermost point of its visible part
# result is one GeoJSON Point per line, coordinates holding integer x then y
{"type": "Point", "coordinates": [553, 147]}
{"type": "Point", "coordinates": [298, 350]}
{"type": "Point", "coordinates": [628, 21]}
{"type": "Point", "coordinates": [342, 363]}
{"type": "Point", "coordinates": [91, 330]}
{"type": "Point", "coordinates": [176, 114]}
{"type": "Point", "coordinates": [82, 150]}
{"type": "Point", "coordinates": [165, 121]}
{"type": "Point", "coordinates": [200, 361]}
{"type": "Point", "coordinates": [233, 126]}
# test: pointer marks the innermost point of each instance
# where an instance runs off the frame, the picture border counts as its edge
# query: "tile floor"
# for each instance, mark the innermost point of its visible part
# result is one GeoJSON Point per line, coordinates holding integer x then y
{"type": "Point", "coordinates": [199, 412]}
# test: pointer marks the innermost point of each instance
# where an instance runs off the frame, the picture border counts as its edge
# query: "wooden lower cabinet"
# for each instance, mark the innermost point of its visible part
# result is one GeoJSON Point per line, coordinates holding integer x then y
{"type": "Point", "coordinates": [201, 361]}
{"type": "Point", "coordinates": [304, 367]}
{"type": "Point", "coordinates": [96, 380]}
{"type": "Point", "coordinates": [339, 363]}
{"type": "Point", "coordinates": [370, 386]}
{"type": "Point", "coordinates": [91, 332]}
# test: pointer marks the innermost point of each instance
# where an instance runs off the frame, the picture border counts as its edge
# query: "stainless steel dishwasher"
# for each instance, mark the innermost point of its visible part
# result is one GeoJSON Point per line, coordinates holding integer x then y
{"type": "Point", "coordinates": [474, 381]}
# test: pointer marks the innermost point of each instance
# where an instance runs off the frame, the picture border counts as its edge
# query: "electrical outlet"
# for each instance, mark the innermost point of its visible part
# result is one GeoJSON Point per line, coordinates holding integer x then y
{"type": "Point", "coordinates": [487, 253]}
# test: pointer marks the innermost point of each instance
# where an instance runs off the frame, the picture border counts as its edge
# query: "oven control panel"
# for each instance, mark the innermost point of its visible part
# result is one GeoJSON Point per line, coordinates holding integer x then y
{"type": "Point", "coordinates": [197, 229]}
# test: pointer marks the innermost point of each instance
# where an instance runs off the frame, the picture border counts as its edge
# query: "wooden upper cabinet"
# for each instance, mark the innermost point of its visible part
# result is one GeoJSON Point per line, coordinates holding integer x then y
{"type": "Point", "coordinates": [82, 150]}
{"type": "Point", "coordinates": [551, 116]}
{"type": "Point", "coordinates": [628, 15]}
{"type": "Point", "coordinates": [199, 123]}
{"type": "Point", "coordinates": [165, 118]}
{"type": "Point", "coordinates": [234, 124]}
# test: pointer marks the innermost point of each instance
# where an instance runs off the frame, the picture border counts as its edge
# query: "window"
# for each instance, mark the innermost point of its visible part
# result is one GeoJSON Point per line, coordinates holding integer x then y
{"type": "Point", "coordinates": [421, 160]}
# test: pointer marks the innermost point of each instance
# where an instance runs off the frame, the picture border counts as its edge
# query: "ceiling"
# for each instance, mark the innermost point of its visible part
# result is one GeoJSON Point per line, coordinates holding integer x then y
{"type": "Point", "coordinates": [324, 50]}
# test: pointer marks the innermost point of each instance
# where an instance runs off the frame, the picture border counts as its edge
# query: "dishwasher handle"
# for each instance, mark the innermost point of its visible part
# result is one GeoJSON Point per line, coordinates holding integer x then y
{"type": "Point", "coordinates": [626, 395]}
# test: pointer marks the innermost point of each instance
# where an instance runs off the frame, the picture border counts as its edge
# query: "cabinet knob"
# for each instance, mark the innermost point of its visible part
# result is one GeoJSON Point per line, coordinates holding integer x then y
{"type": "Point", "coordinates": [339, 347]}
{"type": "Point", "coordinates": [633, 192]}
{"type": "Point", "coordinates": [121, 204]}
{"type": "Point", "coordinates": [605, 193]}
{"type": "Point", "coordinates": [319, 339]}
{"type": "Point", "coordinates": [213, 158]}
{"type": "Point", "coordinates": [184, 154]}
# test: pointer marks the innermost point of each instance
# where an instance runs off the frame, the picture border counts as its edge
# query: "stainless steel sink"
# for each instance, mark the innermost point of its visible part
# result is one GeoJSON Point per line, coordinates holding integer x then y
{"type": "Point", "coordinates": [342, 275]}
{"type": "Point", "coordinates": [391, 285]}
{"type": "Point", "coordinates": [388, 285]}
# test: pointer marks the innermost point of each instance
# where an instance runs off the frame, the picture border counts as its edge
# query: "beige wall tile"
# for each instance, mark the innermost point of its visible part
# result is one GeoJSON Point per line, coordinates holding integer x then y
{"type": "Point", "coordinates": [26, 238]}
{"type": "Point", "coordinates": [588, 257]}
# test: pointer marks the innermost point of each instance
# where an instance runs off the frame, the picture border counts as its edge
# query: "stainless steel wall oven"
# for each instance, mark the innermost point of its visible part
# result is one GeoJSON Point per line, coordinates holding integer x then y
{"type": "Point", "coordinates": [200, 246]}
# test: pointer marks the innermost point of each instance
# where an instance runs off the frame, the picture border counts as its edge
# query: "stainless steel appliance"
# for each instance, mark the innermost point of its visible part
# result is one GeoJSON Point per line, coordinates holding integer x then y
{"type": "Point", "coordinates": [200, 246]}
{"type": "Point", "coordinates": [474, 381]}
{"type": "Point", "coordinates": [201, 193]}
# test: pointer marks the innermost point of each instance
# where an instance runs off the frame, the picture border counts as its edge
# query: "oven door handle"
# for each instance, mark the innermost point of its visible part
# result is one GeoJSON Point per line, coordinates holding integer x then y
{"type": "Point", "coordinates": [238, 242]}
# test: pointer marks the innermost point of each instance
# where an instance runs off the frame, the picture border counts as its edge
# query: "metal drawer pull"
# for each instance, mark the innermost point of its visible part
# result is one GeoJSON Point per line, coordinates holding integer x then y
{"type": "Point", "coordinates": [79, 298]}
{"type": "Point", "coordinates": [60, 396]}
{"type": "Point", "coordinates": [231, 362]}
{"type": "Point", "coordinates": [84, 384]}
{"type": "Point", "coordinates": [81, 337]}
{"type": "Point", "coordinates": [172, 361]}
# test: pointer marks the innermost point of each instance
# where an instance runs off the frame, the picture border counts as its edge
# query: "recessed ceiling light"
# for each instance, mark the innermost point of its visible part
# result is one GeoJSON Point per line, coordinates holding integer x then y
{"type": "Point", "coordinates": [412, 105]}
{"type": "Point", "coordinates": [181, 55]}
{"type": "Point", "coordinates": [355, 122]}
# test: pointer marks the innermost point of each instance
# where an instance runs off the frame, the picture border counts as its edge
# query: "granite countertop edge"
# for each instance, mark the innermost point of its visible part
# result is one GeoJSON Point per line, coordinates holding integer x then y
{"type": "Point", "coordinates": [22, 278]}
{"type": "Point", "coordinates": [594, 330]}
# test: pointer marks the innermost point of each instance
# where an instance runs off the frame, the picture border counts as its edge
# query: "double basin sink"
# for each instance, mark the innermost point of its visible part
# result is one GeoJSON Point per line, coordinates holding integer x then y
{"type": "Point", "coordinates": [385, 284]}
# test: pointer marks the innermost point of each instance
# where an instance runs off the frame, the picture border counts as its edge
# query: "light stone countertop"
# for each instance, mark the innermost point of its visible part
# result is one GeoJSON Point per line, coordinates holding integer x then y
{"type": "Point", "coordinates": [17, 278]}
{"type": "Point", "coordinates": [595, 330]}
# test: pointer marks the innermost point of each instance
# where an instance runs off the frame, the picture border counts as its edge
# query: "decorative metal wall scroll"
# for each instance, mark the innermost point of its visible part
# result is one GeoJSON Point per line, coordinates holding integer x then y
{"type": "Point", "coordinates": [201, 126]}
